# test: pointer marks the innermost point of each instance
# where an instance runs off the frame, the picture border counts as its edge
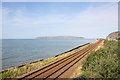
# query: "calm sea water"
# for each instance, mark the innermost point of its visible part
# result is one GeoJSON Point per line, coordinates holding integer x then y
{"type": "Point", "coordinates": [20, 51]}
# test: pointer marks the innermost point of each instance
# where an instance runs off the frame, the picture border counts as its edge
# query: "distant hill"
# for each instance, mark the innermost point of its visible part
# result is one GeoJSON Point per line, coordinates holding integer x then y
{"type": "Point", "coordinates": [114, 36]}
{"type": "Point", "coordinates": [59, 37]}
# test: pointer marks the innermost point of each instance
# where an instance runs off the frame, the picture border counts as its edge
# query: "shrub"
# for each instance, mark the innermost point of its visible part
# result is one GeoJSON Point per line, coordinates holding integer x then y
{"type": "Point", "coordinates": [103, 63]}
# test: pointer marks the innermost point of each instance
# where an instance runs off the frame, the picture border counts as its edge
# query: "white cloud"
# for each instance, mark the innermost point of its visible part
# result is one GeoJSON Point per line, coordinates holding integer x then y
{"type": "Point", "coordinates": [103, 18]}
{"type": "Point", "coordinates": [60, 0]}
{"type": "Point", "coordinates": [0, 20]}
{"type": "Point", "coordinates": [100, 20]}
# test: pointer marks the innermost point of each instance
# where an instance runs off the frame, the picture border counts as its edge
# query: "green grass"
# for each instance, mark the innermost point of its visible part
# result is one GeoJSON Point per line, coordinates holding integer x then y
{"type": "Point", "coordinates": [29, 67]}
{"type": "Point", "coordinates": [14, 73]}
{"type": "Point", "coordinates": [104, 63]}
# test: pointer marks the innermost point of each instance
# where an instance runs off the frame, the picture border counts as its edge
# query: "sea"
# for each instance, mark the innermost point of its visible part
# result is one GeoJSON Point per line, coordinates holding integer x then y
{"type": "Point", "coordinates": [20, 51]}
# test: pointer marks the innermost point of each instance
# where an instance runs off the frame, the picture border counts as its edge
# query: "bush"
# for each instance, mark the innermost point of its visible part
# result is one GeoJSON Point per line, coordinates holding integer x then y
{"type": "Point", "coordinates": [103, 63]}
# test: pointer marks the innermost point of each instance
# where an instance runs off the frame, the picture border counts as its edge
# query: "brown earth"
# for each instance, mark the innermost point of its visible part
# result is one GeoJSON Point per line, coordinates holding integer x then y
{"type": "Point", "coordinates": [62, 68]}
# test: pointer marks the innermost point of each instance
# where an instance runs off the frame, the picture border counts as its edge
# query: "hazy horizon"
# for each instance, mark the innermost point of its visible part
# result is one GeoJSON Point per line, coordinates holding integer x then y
{"type": "Point", "coordinates": [28, 20]}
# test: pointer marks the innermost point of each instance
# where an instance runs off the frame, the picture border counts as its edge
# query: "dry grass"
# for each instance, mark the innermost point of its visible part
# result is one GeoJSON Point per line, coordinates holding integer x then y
{"type": "Point", "coordinates": [79, 71]}
{"type": "Point", "coordinates": [18, 71]}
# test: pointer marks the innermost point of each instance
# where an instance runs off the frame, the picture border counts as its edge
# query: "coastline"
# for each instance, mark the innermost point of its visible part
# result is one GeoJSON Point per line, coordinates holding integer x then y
{"type": "Point", "coordinates": [22, 65]}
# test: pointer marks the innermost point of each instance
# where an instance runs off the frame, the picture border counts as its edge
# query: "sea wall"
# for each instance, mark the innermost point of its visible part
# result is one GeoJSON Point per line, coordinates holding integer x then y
{"type": "Point", "coordinates": [9, 69]}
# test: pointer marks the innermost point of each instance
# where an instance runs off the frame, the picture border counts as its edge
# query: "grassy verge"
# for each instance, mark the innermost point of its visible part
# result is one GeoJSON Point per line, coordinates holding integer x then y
{"type": "Point", "coordinates": [79, 71]}
{"type": "Point", "coordinates": [18, 71]}
{"type": "Point", "coordinates": [103, 63]}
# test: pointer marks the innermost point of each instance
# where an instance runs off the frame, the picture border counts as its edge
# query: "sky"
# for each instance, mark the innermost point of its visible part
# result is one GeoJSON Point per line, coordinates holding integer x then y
{"type": "Point", "coordinates": [25, 20]}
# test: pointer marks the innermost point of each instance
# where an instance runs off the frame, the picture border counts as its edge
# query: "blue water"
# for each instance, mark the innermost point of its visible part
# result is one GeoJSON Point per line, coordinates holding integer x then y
{"type": "Point", "coordinates": [20, 51]}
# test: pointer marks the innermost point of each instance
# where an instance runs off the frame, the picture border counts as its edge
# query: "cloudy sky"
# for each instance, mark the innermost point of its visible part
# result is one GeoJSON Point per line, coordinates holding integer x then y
{"type": "Point", "coordinates": [32, 19]}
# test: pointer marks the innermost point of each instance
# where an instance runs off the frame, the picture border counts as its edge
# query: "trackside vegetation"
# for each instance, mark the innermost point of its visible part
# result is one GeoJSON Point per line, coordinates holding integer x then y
{"type": "Point", "coordinates": [28, 67]}
{"type": "Point", "coordinates": [103, 63]}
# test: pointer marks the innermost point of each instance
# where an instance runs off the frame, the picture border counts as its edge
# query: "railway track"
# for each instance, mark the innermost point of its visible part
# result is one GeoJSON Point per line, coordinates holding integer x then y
{"type": "Point", "coordinates": [60, 68]}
